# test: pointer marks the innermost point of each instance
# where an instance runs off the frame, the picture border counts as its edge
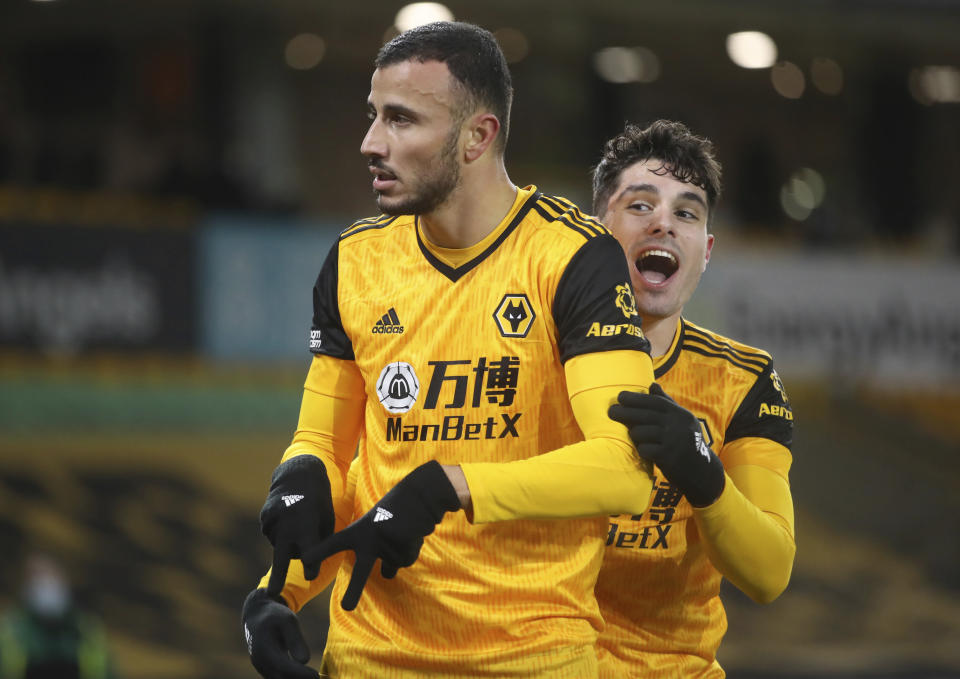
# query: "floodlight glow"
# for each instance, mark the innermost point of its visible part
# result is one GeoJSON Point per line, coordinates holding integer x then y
{"type": "Point", "coordinates": [751, 49]}
{"type": "Point", "coordinates": [935, 85]}
{"type": "Point", "coordinates": [802, 193]}
{"type": "Point", "coordinates": [793, 208]}
{"type": "Point", "coordinates": [420, 13]}
{"type": "Point", "coordinates": [788, 80]}
{"type": "Point", "coordinates": [813, 180]}
{"type": "Point", "coordinates": [627, 64]}
{"type": "Point", "coordinates": [827, 76]}
{"type": "Point", "coordinates": [304, 51]}
{"type": "Point", "coordinates": [514, 44]}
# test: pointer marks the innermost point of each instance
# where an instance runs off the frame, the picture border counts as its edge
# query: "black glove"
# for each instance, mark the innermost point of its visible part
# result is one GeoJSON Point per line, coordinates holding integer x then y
{"type": "Point", "coordinates": [298, 514]}
{"type": "Point", "coordinates": [274, 640]}
{"type": "Point", "coordinates": [394, 529]}
{"type": "Point", "coordinates": [670, 436]}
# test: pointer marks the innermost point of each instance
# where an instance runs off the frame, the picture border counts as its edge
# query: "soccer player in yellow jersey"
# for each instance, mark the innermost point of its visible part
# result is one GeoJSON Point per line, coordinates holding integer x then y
{"type": "Point", "coordinates": [717, 425]}
{"type": "Point", "coordinates": [467, 344]}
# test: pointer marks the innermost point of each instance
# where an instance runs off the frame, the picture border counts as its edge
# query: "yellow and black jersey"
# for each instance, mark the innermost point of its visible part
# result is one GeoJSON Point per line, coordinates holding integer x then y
{"type": "Point", "coordinates": [462, 361]}
{"type": "Point", "coordinates": [658, 590]}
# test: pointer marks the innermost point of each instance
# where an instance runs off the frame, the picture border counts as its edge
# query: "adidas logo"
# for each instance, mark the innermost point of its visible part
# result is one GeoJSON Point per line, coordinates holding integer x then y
{"type": "Point", "coordinates": [701, 445]}
{"type": "Point", "coordinates": [382, 515]}
{"type": "Point", "coordinates": [389, 324]}
{"type": "Point", "coordinates": [291, 499]}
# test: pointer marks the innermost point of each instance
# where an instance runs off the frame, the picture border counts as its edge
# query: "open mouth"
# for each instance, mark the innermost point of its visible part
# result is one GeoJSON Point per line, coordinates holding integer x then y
{"type": "Point", "coordinates": [382, 178]}
{"type": "Point", "coordinates": [656, 266]}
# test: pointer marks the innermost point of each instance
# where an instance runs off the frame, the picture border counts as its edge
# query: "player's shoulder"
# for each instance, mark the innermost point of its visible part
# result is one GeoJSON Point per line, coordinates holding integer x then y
{"type": "Point", "coordinates": [558, 215]}
{"type": "Point", "coordinates": [711, 345]}
{"type": "Point", "coordinates": [373, 227]}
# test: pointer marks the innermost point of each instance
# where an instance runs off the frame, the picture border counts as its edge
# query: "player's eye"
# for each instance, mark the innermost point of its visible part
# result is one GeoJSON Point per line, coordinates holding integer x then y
{"type": "Point", "coordinates": [639, 206]}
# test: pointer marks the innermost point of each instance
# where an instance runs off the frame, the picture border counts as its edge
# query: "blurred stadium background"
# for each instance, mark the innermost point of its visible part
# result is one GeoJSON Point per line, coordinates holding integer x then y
{"type": "Point", "coordinates": [172, 173]}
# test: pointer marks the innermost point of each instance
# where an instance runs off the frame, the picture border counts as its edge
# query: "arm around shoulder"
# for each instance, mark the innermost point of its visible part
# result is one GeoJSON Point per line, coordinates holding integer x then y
{"type": "Point", "coordinates": [599, 476]}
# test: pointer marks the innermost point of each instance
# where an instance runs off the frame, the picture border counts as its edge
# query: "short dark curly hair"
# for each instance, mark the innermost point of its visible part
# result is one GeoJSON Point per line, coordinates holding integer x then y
{"type": "Point", "coordinates": [473, 58]}
{"type": "Point", "coordinates": [684, 155]}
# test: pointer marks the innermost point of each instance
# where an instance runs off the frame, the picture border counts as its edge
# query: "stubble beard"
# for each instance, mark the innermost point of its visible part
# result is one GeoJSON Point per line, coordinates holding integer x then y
{"type": "Point", "coordinates": [434, 189]}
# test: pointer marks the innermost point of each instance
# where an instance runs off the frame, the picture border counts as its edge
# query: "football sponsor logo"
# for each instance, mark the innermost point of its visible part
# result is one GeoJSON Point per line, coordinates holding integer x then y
{"type": "Point", "coordinates": [778, 385]}
{"type": "Point", "coordinates": [389, 324]}
{"type": "Point", "coordinates": [625, 300]}
{"type": "Point", "coordinates": [315, 340]}
{"type": "Point", "coordinates": [610, 329]}
{"type": "Point", "coordinates": [776, 411]}
{"type": "Point", "coordinates": [398, 387]}
{"type": "Point", "coordinates": [460, 384]}
{"type": "Point", "coordinates": [514, 315]}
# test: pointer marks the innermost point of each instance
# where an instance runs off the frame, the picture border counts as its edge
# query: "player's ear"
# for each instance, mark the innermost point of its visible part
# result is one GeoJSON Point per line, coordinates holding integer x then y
{"type": "Point", "coordinates": [482, 130]}
{"type": "Point", "coordinates": [709, 249]}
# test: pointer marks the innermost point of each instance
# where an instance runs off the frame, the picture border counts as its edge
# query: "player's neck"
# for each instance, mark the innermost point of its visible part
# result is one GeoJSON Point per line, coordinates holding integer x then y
{"type": "Point", "coordinates": [473, 210]}
{"type": "Point", "coordinates": [660, 331]}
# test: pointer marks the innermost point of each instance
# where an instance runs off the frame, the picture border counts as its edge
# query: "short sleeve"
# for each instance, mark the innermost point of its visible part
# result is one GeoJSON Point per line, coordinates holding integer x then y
{"type": "Point", "coordinates": [765, 412]}
{"type": "Point", "coordinates": [594, 308]}
{"type": "Point", "coordinates": [327, 335]}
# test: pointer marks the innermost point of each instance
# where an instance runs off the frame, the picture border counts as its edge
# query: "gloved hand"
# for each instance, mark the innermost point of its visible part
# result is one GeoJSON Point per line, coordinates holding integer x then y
{"type": "Point", "coordinates": [276, 644]}
{"type": "Point", "coordinates": [670, 436]}
{"type": "Point", "coordinates": [298, 514]}
{"type": "Point", "coordinates": [393, 530]}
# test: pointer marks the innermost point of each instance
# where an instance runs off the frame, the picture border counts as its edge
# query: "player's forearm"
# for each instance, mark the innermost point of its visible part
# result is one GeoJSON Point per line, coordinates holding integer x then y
{"type": "Point", "coordinates": [599, 476]}
{"type": "Point", "coordinates": [331, 416]}
{"type": "Point", "coordinates": [752, 546]}
{"type": "Point", "coordinates": [590, 478]}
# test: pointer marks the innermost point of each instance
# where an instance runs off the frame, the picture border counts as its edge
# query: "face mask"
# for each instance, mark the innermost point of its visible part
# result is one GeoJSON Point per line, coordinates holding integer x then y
{"type": "Point", "coordinates": [47, 596]}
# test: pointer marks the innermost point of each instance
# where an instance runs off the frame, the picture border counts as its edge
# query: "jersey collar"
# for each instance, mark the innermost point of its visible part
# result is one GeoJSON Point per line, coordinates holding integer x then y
{"type": "Point", "coordinates": [526, 199]}
{"type": "Point", "coordinates": [662, 364]}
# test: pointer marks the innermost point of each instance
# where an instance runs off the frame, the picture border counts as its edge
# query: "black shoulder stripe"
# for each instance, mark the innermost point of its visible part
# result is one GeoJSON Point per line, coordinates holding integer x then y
{"type": "Point", "coordinates": [570, 211]}
{"type": "Point", "coordinates": [554, 218]}
{"type": "Point", "coordinates": [584, 218]}
{"type": "Point", "coordinates": [358, 227]}
{"type": "Point", "coordinates": [758, 362]}
{"type": "Point", "coordinates": [366, 221]}
{"type": "Point", "coordinates": [749, 367]}
{"type": "Point", "coordinates": [713, 342]}
{"type": "Point", "coordinates": [565, 213]}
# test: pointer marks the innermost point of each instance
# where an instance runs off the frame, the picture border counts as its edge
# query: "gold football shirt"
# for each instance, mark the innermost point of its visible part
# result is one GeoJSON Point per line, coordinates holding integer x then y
{"type": "Point", "coordinates": [462, 361]}
{"type": "Point", "coordinates": [658, 590]}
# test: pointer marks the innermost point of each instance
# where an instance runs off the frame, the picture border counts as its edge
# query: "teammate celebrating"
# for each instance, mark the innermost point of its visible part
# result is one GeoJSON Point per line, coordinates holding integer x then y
{"type": "Point", "coordinates": [471, 338]}
{"type": "Point", "coordinates": [717, 425]}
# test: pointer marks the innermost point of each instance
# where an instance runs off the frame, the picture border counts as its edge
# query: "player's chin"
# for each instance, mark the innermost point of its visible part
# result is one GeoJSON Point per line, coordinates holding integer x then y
{"type": "Point", "coordinates": [649, 296]}
{"type": "Point", "coordinates": [389, 205]}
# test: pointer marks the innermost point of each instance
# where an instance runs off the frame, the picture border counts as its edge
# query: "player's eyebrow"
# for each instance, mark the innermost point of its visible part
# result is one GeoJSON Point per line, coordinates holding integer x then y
{"type": "Point", "coordinates": [394, 109]}
{"type": "Point", "coordinates": [639, 188]}
{"type": "Point", "coordinates": [650, 188]}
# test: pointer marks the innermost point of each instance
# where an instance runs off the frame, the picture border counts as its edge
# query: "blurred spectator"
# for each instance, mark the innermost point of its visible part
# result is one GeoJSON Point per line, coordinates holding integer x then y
{"type": "Point", "coordinates": [46, 636]}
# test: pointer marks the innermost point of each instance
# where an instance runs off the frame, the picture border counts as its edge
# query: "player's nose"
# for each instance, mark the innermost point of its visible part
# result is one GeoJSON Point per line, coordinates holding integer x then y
{"type": "Point", "coordinates": [373, 144]}
{"type": "Point", "coordinates": [660, 223]}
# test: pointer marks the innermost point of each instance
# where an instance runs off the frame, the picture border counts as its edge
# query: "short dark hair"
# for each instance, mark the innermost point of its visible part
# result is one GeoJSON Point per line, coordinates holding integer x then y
{"type": "Point", "coordinates": [473, 58]}
{"type": "Point", "coordinates": [684, 155]}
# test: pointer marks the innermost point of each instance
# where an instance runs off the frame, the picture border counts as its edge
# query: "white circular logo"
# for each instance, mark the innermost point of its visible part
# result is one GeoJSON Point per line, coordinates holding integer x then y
{"type": "Point", "coordinates": [398, 387]}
